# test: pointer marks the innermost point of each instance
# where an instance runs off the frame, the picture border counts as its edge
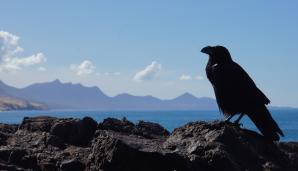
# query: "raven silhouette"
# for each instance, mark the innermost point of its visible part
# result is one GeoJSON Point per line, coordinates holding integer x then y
{"type": "Point", "coordinates": [236, 93]}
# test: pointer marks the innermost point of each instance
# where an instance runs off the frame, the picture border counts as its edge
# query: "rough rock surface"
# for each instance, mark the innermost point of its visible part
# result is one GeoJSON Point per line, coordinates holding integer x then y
{"type": "Point", "coordinates": [48, 143]}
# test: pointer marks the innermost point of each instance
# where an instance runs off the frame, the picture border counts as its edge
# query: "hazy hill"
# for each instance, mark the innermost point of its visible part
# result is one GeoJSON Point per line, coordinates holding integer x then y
{"type": "Point", "coordinates": [188, 101]}
{"type": "Point", "coordinates": [11, 103]}
{"type": "Point", "coordinates": [8, 100]}
{"type": "Point", "coordinates": [66, 95]}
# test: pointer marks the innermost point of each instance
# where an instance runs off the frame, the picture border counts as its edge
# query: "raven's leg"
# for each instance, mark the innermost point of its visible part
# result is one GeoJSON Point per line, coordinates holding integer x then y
{"type": "Point", "coordinates": [239, 118]}
{"type": "Point", "coordinates": [229, 118]}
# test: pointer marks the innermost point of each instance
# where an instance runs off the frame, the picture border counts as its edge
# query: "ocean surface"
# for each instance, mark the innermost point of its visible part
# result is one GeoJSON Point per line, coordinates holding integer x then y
{"type": "Point", "coordinates": [287, 119]}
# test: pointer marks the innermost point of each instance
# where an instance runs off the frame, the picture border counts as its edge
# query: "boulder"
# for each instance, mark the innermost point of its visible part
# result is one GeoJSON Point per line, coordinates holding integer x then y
{"type": "Point", "coordinates": [75, 131]}
{"type": "Point", "coordinates": [142, 128]}
{"type": "Point", "coordinates": [39, 123]}
{"type": "Point", "coordinates": [117, 125]}
{"type": "Point", "coordinates": [150, 130]}
{"type": "Point", "coordinates": [72, 131]}
{"type": "Point", "coordinates": [114, 151]}
{"type": "Point", "coordinates": [226, 146]}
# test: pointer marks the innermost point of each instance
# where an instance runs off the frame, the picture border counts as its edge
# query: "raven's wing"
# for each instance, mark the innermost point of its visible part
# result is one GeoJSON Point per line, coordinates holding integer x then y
{"type": "Point", "coordinates": [233, 86]}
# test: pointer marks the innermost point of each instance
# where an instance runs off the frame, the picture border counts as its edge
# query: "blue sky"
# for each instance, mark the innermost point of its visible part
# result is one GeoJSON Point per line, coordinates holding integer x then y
{"type": "Point", "coordinates": [149, 47]}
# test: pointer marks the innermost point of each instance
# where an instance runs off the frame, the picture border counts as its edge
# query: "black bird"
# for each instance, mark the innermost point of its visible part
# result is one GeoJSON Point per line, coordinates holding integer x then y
{"type": "Point", "coordinates": [236, 93]}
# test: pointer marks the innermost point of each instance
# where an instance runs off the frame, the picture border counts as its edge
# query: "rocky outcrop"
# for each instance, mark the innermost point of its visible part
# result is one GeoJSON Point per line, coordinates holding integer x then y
{"type": "Point", "coordinates": [142, 128]}
{"type": "Point", "coordinates": [48, 143]}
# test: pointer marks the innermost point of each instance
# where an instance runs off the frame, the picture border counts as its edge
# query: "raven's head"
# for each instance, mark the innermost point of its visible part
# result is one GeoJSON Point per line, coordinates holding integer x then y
{"type": "Point", "coordinates": [219, 54]}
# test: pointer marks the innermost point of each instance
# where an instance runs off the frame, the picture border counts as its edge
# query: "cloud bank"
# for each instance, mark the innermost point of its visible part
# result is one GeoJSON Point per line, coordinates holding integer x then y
{"type": "Point", "coordinates": [10, 51]}
{"type": "Point", "coordinates": [149, 73]}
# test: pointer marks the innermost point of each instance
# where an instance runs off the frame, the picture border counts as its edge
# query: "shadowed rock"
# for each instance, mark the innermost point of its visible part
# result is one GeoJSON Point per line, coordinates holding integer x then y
{"type": "Point", "coordinates": [47, 143]}
{"type": "Point", "coordinates": [222, 146]}
{"type": "Point", "coordinates": [142, 128]}
{"type": "Point", "coordinates": [75, 131]}
{"type": "Point", "coordinates": [72, 165]}
{"type": "Point", "coordinates": [40, 123]}
{"type": "Point", "coordinates": [71, 131]}
{"type": "Point", "coordinates": [8, 128]}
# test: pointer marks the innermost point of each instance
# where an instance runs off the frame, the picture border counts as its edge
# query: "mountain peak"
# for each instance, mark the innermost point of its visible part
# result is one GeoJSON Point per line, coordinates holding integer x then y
{"type": "Point", "coordinates": [186, 95]}
{"type": "Point", "coordinates": [56, 81]}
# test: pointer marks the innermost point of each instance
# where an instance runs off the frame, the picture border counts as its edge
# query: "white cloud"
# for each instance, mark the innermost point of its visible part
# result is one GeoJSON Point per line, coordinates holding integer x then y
{"type": "Point", "coordinates": [149, 73]}
{"type": "Point", "coordinates": [18, 63]}
{"type": "Point", "coordinates": [85, 68]}
{"type": "Point", "coordinates": [198, 77]}
{"type": "Point", "coordinates": [9, 51]}
{"type": "Point", "coordinates": [184, 77]}
{"type": "Point", "coordinates": [41, 69]}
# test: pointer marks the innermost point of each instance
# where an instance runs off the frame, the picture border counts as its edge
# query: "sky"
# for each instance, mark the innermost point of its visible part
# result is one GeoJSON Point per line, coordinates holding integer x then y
{"type": "Point", "coordinates": [149, 47]}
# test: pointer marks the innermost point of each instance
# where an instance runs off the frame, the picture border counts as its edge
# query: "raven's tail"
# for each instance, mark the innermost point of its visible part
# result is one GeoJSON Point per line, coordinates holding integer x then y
{"type": "Point", "coordinates": [262, 118]}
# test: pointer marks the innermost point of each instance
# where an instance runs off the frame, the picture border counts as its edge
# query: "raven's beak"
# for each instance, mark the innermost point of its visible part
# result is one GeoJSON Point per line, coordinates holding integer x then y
{"type": "Point", "coordinates": [207, 50]}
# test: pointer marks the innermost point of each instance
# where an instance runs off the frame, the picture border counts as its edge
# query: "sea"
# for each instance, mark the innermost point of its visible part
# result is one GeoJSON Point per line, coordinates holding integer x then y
{"type": "Point", "coordinates": [287, 119]}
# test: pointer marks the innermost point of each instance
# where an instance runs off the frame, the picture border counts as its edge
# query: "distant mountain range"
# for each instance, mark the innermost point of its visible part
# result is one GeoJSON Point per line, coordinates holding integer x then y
{"type": "Point", "coordinates": [57, 95]}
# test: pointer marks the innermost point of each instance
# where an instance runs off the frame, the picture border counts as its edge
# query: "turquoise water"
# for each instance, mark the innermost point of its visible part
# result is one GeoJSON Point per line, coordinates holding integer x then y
{"type": "Point", "coordinates": [287, 119]}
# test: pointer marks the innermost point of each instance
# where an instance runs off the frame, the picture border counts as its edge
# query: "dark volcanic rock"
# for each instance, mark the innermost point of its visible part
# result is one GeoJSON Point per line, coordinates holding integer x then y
{"type": "Point", "coordinates": [142, 128]}
{"type": "Point", "coordinates": [75, 131]}
{"type": "Point", "coordinates": [40, 123]}
{"type": "Point", "coordinates": [150, 130]}
{"type": "Point", "coordinates": [113, 124]}
{"type": "Point", "coordinates": [71, 131]}
{"type": "Point", "coordinates": [222, 146]}
{"type": "Point", "coordinates": [6, 128]}
{"type": "Point", "coordinates": [55, 141]}
{"type": "Point", "coordinates": [5, 131]}
{"type": "Point", "coordinates": [48, 143]}
{"type": "Point", "coordinates": [5, 166]}
{"type": "Point", "coordinates": [72, 165]}
{"type": "Point", "coordinates": [113, 151]}
{"type": "Point", "coordinates": [3, 138]}
{"type": "Point", "coordinates": [291, 150]}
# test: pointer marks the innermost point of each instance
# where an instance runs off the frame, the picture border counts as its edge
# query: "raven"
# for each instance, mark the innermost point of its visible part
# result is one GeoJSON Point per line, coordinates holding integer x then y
{"type": "Point", "coordinates": [236, 93]}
